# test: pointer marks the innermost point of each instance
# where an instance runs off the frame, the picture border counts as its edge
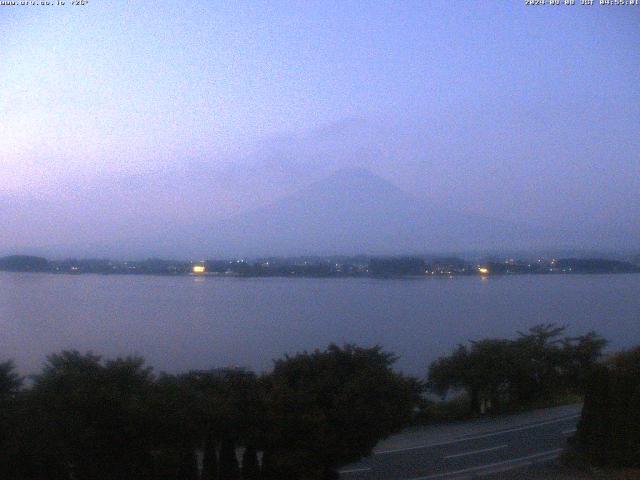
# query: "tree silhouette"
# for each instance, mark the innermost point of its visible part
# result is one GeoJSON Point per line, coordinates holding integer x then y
{"type": "Point", "coordinates": [10, 381]}
{"type": "Point", "coordinates": [250, 468]}
{"type": "Point", "coordinates": [609, 431]}
{"type": "Point", "coordinates": [512, 373]}
{"type": "Point", "coordinates": [329, 408]}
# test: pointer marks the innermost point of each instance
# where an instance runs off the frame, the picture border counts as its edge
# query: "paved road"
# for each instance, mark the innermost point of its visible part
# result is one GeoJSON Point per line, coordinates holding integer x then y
{"type": "Point", "coordinates": [469, 449]}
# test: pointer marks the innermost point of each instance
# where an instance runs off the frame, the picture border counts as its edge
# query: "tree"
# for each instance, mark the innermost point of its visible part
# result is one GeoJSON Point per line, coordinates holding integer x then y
{"type": "Point", "coordinates": [187, 466]}
{"type": "Point", "coordinates": [210, 459]}
{"type": "Point", "coordinates": [179, 427]}
{"type": "Point", "coordinates": [397, 266]}
{"type": "Point", "coordinates": [592, 432]}
{"type": "Point", "coordinates": [10, 381]}
{"type": "Point", "coordinates": [634, 424]}
{"type": "Point", "coordinates": [535, 366]}
{"type": "Point", "coordinates": [269, 469]}
{"type": "Point", "coordinates": [208, 410]}
{"type": "Point", "coordinates": [609, 429]}
{"type": "Point", "coordinates": [229, 468]}
{"type": "Point", "coordinates": [329, 408]}
{"type": "Point", "coordinates": [539, 364]}
{"type": "Point", "coordinates": [581, 354]}
{"type": "Point", "coordinates": [24, 263]}
{"type": "Point", "coordinates": [484, 371]}
{"type": "Point", "coordinates": [250, 467]}
{"type": "Point", "coordinates": [88, 419]}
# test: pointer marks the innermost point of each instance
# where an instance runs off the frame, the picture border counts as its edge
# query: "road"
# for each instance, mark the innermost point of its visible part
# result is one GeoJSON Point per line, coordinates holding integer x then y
{"type": "Point", "coordinates": [469, 449]}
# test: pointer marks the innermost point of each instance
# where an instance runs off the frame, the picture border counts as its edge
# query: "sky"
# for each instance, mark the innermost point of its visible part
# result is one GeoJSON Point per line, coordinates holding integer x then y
{"type": "Point", "coordinates": [119, 118]}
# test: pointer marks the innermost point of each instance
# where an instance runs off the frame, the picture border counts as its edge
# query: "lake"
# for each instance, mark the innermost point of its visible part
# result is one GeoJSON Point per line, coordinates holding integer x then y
{"type": "Point", "coordinates": [181, 323]}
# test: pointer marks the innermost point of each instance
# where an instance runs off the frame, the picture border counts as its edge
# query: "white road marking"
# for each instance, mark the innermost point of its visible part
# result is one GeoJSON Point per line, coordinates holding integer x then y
{"type": "Point", "coordinates": [570, 431]}
{"type": "Point", "coordinates": [417, 447]}
{"type": "Point", "coordinates": [518, 429]}
{"type": "Point", "coordinates": [476, 437]}
{"type": "Point", "coordinates": [354, 470]}
{"type": "Point", "coordinates": [473, 452]}
{"type": "Point", "coordinates": [524, 460]}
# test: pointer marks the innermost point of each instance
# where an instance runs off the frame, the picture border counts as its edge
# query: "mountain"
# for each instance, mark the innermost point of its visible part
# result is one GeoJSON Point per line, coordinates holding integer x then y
{"type": "Point", "coordinates": [351, 212]}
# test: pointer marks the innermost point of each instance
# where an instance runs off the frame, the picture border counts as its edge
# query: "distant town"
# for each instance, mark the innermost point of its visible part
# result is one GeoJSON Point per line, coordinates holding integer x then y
{"type": "Point", "coordinates": [355, 266]}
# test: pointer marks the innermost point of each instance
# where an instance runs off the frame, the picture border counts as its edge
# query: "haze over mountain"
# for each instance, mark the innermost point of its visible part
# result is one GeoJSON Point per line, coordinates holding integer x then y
{"type": "Point", "coordinates": [350, 212]}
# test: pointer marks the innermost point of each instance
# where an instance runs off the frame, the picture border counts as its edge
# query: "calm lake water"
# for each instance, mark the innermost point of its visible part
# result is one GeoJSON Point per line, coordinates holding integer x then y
{"type": "Point", "coordinates": [181, 323]}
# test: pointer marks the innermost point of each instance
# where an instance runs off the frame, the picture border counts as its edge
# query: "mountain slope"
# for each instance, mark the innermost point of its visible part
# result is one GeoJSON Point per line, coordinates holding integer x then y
{"type": "Point", "coordinates": [356, 212]}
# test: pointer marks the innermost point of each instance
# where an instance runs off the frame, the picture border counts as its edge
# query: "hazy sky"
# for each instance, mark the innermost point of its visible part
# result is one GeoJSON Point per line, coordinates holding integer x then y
{"type": "Point", "coordinates": [120, 117]}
